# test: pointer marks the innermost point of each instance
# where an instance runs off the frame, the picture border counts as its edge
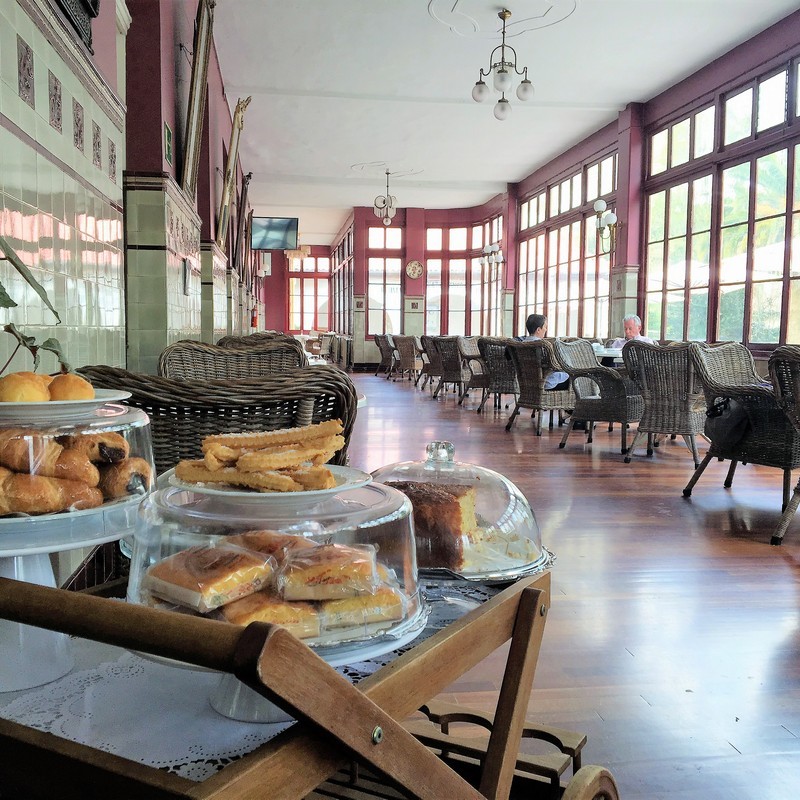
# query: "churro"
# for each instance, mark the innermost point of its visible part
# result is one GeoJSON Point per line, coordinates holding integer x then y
{"type": "Point", "coordinates": [312, 478]}
{"type": "Point", "coordinates": [257, 440]}
{"type": "Point", "coordinates": [258, 460]}
{"type": "Point", "coordinates": [267, 480]}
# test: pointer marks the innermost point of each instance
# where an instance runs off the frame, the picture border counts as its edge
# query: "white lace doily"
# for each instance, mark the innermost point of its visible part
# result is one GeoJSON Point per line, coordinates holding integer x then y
{"type": "Point", "coordinates": [148, 712]}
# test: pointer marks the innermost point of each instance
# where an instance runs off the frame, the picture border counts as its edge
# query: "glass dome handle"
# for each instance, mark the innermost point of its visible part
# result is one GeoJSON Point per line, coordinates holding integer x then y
{"type": "Point", "coordinates": [440, 451]}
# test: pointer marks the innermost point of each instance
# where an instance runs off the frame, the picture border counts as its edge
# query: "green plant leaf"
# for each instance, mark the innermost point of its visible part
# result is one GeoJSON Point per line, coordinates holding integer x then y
{"type": "Point", "coordinates": [54, 346]}
{"type": "Point", "coordinates": [9, 253]}
{"type": "Point", "coordinates": [5, 300]}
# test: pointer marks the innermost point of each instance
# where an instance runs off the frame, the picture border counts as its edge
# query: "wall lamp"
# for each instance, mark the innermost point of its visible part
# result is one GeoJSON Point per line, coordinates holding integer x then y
{"type": "Point", "coordinates": [492, 254]}
{"type": "Point", "coordinates": [607, 223]}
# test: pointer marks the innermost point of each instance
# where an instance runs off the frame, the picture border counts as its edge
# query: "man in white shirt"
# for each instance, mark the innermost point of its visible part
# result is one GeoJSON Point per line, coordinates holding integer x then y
{"type": "Point", "coordinates": [632, 325]}
{"type": "Point", "coordinates": [536, 325]}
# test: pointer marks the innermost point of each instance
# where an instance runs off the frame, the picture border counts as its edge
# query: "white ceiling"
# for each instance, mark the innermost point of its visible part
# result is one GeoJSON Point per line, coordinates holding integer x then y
{"type": "Point", "coordinates": [387, 83]}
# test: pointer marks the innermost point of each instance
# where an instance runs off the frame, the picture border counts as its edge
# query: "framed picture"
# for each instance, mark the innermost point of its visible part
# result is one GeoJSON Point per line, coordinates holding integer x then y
{"type": "Point", "coordinates": [229, 183]}
{"type": "Point", "coordinates": [193, 131]}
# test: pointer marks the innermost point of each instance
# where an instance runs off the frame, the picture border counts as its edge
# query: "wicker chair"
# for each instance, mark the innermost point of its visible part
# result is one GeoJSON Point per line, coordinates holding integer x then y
{"type": "Point", "coordinates": [771, 440]}
{"type": "Point", "coordinates": [673, 400]}
{"type": "Point", "coordinates": [182, 413]}
{"type": "Point", "coordinates": [453, 369]}
{"type": "Point", "coordinates": [784, 371]}
{"type": "Point", "coordinates": [533, 361]}
{"type": "Point", "coordinates": [256, 339]}
{"type": "Point", "coordinates": [431, 361]}
{"type": "Point", "coordinates": [501, 371]}
{"type": "Point", "coordinates": [388, 357]}
{"type": "Point", "coordinates": [601, 393]}
{"type": "Point", "coordinates": [407, 360]}
{"type": "Point", "coordinates": [471, 358]}
{"type": "Point", "coordinates": [189, 360]}
{"type": "Point", "coordinates": [326, 346]}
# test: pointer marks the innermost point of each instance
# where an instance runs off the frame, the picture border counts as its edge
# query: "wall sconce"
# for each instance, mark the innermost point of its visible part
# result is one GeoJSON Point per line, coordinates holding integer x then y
{"type": "Point", "coordinates": [492, 254]}
{"type": "Point", "coordinates": [606, 225]}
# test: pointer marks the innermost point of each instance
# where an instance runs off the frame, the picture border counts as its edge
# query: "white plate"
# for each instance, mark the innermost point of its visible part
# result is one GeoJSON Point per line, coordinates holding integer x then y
{"type": "Point", "coordinates": [57, 410]}
{"type": "Point", "coordinates": [345, 477]}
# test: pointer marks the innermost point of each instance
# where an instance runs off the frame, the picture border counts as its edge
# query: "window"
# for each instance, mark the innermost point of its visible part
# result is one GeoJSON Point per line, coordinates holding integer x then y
{"type": "Point", "coordinates": [433, 297]}
{"type": "Point", "coordinates": [308, 295]}
{"type": "Point", "coordinates": [690, 138]}
{"type": "Point", "coordinates": [384, 302]}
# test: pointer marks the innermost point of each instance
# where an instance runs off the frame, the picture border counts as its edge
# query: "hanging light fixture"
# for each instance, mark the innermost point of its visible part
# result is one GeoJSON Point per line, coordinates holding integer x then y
{"type": "Point", "coordinates": [385, 207]}
{"type": "Point", "coordinates": [607, 223]}
{"type": "Point", "coordinates": [492, 254]}
{"type": "Point", "coordinates": [502, 79]}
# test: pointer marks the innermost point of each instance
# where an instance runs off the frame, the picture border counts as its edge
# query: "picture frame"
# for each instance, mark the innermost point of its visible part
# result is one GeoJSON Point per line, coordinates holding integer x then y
{"type": "Point", "coordinates": [193, 130]}
{"type": "Point", "coordinates": [229, 182]}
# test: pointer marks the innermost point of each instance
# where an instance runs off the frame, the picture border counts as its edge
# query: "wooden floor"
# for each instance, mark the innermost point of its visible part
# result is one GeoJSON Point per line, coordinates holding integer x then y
{"type": "Point", "coordinates": [674, 634]}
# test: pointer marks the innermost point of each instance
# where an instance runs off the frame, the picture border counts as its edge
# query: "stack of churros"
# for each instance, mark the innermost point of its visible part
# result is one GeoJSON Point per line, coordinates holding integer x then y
{"type": "Point", "coordinates": [286, 460]}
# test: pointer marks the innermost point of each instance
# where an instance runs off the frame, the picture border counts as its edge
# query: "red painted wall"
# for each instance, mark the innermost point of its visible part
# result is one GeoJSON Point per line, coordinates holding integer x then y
{"type": "Point", "coordinates": [104, 43]}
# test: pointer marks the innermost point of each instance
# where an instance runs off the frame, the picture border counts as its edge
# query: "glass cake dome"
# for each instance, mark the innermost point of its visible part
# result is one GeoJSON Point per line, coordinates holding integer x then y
{"type": "Point", "coordinates": [468, 520]}
{"type": "Point", "coordinates": [338, 570]}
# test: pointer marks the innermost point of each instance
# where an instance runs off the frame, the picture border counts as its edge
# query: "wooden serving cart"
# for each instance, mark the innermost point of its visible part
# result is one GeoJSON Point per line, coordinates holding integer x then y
{"type": "Point", "coordinates": [339, 724]}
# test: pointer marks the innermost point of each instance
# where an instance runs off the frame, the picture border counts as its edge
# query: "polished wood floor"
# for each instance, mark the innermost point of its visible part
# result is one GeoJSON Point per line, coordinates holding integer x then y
{"type": "Point", "coordinates": [673, 639]}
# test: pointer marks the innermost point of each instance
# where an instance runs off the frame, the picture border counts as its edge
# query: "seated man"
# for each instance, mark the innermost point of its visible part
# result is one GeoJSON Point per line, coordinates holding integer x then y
{"type": "Point", "coordinates": [632, 325]}
{"type": "Point", "coordinates": [536, 325]}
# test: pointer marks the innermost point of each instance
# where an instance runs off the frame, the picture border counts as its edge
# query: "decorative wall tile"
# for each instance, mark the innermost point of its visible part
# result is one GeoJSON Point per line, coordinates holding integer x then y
{"type": "Point", "coordinates": [25, 72]}
{"type": "Point", "coordinates": [97, 145]}
{"type": "Point", "coordinates": [112, 160]}
{"type": "Point", "coordinates": [77, 124]}
{"type": "Point", "coordinates": [55, 101]}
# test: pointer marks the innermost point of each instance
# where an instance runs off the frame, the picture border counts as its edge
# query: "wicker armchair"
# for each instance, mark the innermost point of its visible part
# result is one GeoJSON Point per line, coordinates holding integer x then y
{"type": "Point", "coordinates": [771, 440]}
{"type": "Point", "coordinates": [431, 361]}
{"type": "Point", "coordinates": [501, 371]}
{"type": "Point", "coordinates": [784, 371]}
{"type": "Point", "coordinates": [388, 357]}
{"type": "Point", "coordinates": [256, 339]}
{"type": "Point", "coordinates": [189, 360]}
{"type": "Point", "coordinates": [673, 400]}
{"type": "Point", "coordinates": [533, 361]}
{"type": "Point", "coordinates": [471, 358]}
{"type": "Point", "coordinates": [407, 360]}
{"type": "Point", "coordinates": [326, 345]}
{"type": "Point", "coordinates": [453, 369]}
{"type": "Point", "coordinates": [182, 413]}
{"type": "Point", "coordinates": [601, 393]}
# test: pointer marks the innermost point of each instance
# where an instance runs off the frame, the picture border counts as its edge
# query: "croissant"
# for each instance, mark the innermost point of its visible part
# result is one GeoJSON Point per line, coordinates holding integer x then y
{"type": "Point", "coordinates": [37, 494]}
{"type": "Point", "coordinates": [28, 450]}
{"type": "Point", "coordinates": [131, 476]}
{"type": "Point", "coordinates": [103, 448]}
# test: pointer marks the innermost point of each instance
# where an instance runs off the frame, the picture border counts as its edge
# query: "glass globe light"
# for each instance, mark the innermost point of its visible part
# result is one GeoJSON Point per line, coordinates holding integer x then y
{"type": "Point", "coordinates": [502, 109]}
{"type": "Point", "coordinates": [610, 218]}
{"type": "Point", "coordinates": [502, 79]}
{"type": "Point", "coordinates": [600, 206]}
{"type": "Point", "coordinates": [525, 90]}
{"type": "Point", "coordinates": [387, 221]}
{"type": "Point", "coordinates": [480, 92]}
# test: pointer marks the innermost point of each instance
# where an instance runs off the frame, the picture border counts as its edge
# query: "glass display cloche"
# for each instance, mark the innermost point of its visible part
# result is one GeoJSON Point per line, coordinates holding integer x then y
{"type": "Point", "coordinates": [468, 520]}
{"type": "Point", "coordinates": [338, 568]}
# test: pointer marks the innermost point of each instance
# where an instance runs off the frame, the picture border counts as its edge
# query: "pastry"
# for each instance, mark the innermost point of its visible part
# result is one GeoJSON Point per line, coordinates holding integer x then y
{"type": "Point", "coordinates": [23, 387]}
{"type": "Point", "coordinates": [265, 481]}
{"type": "Point", "coordinates": [383, 605]}
{"type": "Point", "coordinates": [207, 577]}
{"type": "Point", "coordinates": [255, 440]}
{"type": "Point", "coordinates": [300, 619]}
{"type": "Point", "coordinates": [257, 460]}
{"type": "Point", "coordinates": [271, 543]}
{"type": "Point", "coordinates": [36, 494]}
{"type": "Point", "coordinates": [69, 386]}
{"type": "Point", "coordinates": [28, 450]}
{"type": "Point", "coordinates": [126, 477]}
{"type": "Point", "coordinates": [328, 572]}
{"type": "Point", "coordinates": [444, 516]}
{"type": "Point", "coordinates": [105, 448]}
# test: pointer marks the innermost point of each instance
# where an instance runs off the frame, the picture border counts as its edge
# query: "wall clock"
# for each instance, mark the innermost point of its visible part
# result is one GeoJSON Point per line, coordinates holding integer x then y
{"type": "Point", "coordinates": [414, 269]}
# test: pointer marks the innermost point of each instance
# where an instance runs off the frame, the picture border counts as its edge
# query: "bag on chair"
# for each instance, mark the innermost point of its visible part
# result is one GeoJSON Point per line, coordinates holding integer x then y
{"type": "Point", "coordinates": [727, 422]}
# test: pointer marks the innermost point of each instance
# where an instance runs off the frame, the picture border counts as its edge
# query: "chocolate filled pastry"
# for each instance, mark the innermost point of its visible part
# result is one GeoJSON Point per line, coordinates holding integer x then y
{"type": "Point", "coordinates": [36, 494]}
{"type": "Point", "coordinates": [29, 450]}
{"type": "Point", "coordinates": [126, 477]}
{"type": "Point", "coordinates": [101, 448]}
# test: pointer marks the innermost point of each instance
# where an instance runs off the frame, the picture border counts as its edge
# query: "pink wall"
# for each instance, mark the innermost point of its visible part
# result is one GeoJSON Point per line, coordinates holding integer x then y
{"type": "Point", "coordinates": [104, 43]}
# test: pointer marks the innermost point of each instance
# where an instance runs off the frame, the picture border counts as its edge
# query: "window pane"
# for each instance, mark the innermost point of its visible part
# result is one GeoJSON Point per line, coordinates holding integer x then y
{"type": "Point", "coordinates": [658, 152]}
{"type": "Point", "coordinates": [793, 325]}
{"type": "Point", "coordinates": [376, 239]}
{"type": "Point", "coordinates": [309, 265]}
{"type": "Point", "coordinates": [523, 217]}
{"type": "Point", "coordinates": [434, 239]}
{"type": "Point", "coordinates": [771, 184]}
{"type": "Point", "coordinates": [323, 265]}
{"type": "Point", "coordinates": [678, 209]}
{"type": "Point", "coordinates": [701, 204]}
{"type": "Point", "coordinates": [375, 267]}
{"type": "Point", "coordinates": [673, 328]}
{"type": "Point", "coordinates": [676, 263]}
{"type": "Point", "coordinates": [653, 318]}
{"type": "Point", "coordinates": [730, 322]}
{"type": "Point", "coordinates": [794, 264]}
{"type": "Point", "coordinates": [592, 182]}
{"type": "Point", "coordinates": [477, 233]}
{"type": "Point", "coordinates": [735, 194]}
{"type": "Point", "coordinates": [768, 249]}
{"type": "Point", "coordinates": [394, 238]}
{"type": "Point", "coordinates": [733, 254]}
{"type": "Point", "coordinates": [765, 314]}
{"type": "Point", "coordinates": [294, 264]}
{"type": "Point", "coordinates": [704, 132]}
{"type": "Point", "coordinates": [576, 190]}
{"type": "Point", "coordinates": [739, 117]}
{"type": "Point", "coordinates": [771, 102]}
{"type": "Point", "coordinates": [698, 315]}
{"type": "Point", "coordinates": [655, 266]}
{"type": "Point", "coordinates": [700, 265]}
{"type": "Point", "coordinates": [393, 320]}
{"type": "Point", "coordinates": [458, 238]}
{"type": "Point", "coordinates": [607, 176]}
{"type": "Point", "coordinates": [565, 196]}
{"type": "Point", "coordinates": [656, 217]}
{"type": "Point", "coordinates": [680, 144]}
{"type": "Point", "coordinates": [393, 270]}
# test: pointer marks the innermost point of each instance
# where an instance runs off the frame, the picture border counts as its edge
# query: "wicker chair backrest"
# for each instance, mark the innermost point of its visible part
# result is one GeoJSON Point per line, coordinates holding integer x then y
{"type": "Point", "coordinates": [724, 365]}
{"type": "Point", "coordinates": [532, 362]}
{"type": "Point", "coordinates": [189, 360]}
{"type": "Point", "coordinates": [663, 373]}
{"type": "Point", "coordinates": [255, 339]}
{"type": "Point", "coordinates": [182, 413]}
{"type": "Point", "coordinates": [576, 354]}
{"type": "Point", "coordinates": [468, 345]}
{"type": "Point", "coordinates": [502, 374]}
{"type": "Point", "coordinates": [452, 363]}
{"type": "Point", "coordinates": [430, 349]}
{"type": "Point", "coordinates": [386, 346]}
{"type": "Point", "coordinates": [407, 351]}
{"type": "Point", "coordinates": [784, 371]}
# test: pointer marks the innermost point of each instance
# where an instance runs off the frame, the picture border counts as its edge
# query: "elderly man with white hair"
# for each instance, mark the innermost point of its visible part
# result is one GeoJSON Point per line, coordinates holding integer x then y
{"type": "Point", "coordinates": [632, 325]}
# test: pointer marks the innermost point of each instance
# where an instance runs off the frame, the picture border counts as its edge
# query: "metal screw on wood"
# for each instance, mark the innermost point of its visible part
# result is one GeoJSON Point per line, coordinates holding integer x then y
{"type": "Point", "coordinates": [543, 610]}
{"type": "Point", "coordinates": [377, 735]}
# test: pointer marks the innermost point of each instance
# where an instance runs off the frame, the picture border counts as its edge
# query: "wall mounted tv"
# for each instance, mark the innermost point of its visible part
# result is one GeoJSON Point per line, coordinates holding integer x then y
{"type": "Point", "coordinates": [274, 233]}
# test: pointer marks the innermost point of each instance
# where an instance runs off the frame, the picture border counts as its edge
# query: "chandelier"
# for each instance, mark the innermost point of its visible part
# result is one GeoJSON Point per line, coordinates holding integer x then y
{"type": "Point", "coordinates": [385, 207]}
{"type": "Point", "coordinates": [501, 70]}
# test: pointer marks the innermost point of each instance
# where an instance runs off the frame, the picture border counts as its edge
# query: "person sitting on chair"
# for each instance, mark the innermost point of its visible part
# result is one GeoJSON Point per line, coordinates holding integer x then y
{"type": "Point", "coordinates": [632, 325]}
{"type": "Point", "coordinates": [536, 325]}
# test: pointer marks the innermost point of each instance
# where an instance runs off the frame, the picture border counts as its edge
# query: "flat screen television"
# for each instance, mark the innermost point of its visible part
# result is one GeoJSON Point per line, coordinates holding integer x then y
{"type": "Point", "coordinates": [274, 233]}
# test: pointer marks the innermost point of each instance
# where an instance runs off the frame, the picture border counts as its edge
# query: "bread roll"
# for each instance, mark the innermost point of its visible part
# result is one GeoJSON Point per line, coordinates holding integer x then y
{"type": "Point", "coordinates": [36, 494]}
